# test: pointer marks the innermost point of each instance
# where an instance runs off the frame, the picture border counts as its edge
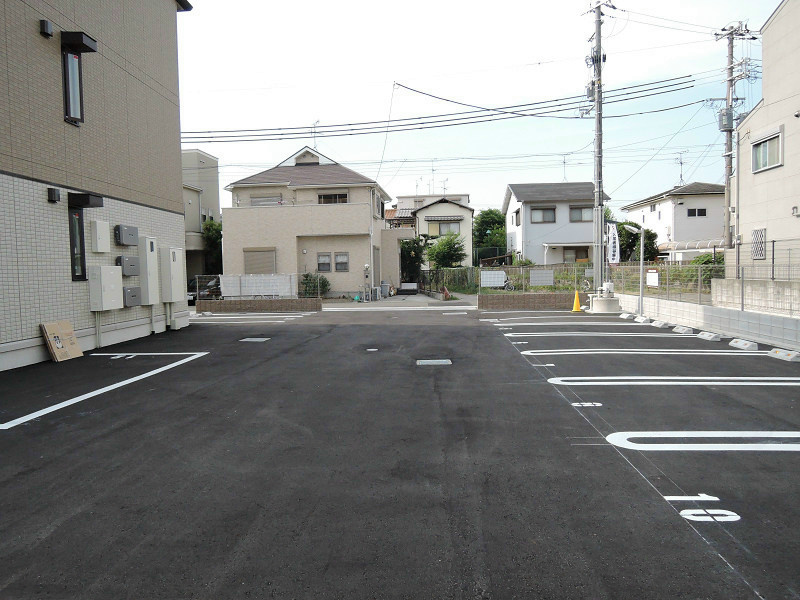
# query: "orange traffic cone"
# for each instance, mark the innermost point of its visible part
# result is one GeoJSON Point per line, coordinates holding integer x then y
{"type": "Point", "coordinates": [576, 307]}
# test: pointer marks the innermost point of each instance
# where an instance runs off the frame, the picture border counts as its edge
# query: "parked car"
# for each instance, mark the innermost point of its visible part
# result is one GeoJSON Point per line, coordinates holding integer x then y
{"type": "Point", "coordinates": [207, 291]}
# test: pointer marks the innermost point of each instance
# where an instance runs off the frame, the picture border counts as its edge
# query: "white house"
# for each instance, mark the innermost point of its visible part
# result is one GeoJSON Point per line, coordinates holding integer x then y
{"type": "Point", "coordinates": [550, 223]}
{"type": "Point", "coordinates": [443, 216]}
{"type": "Point", "coordinates": [688, 219]}
{"type": "Point", "coordinates": [767, 185]}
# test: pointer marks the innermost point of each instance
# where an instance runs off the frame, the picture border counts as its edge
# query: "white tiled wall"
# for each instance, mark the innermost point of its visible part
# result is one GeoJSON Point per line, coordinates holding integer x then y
{"type": "Point", "coordinates": [777, 330]}
{"type": "Point", "coordinates": [35, 280]}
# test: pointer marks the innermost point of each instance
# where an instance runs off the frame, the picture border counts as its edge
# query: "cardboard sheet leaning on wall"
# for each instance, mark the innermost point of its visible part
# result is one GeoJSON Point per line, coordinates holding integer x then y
{"type": "Point", "coordinates": [61, 340]}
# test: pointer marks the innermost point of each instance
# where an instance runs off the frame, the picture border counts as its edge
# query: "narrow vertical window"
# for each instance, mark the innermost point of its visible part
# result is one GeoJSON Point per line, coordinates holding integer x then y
{"type": "Point", "coordinates": [73, 87]}
{"type": "Point", "coordinates": [77, 253]}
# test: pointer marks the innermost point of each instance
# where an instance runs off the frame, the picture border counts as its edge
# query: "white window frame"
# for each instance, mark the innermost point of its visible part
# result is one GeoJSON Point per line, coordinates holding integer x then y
{"type": "Point", "coordinates": [541, 209]}
{"type": "Point", "coordinates": [761, 142]}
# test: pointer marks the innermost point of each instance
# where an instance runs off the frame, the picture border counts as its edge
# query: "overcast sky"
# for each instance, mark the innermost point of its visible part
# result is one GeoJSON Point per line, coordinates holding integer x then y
{"type": "Point", "coordinates": [253, 65]}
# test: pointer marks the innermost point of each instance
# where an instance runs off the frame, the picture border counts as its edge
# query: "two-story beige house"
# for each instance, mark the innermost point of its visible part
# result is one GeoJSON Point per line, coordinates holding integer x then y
{"type": "Point", "coordinates": [309, 214]}
{"type": "Point", "coordinates": [89, 140]}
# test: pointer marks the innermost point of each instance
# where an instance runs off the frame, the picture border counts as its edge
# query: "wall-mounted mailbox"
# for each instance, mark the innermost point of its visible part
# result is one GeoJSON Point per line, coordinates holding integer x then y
{"type": "Point", "coordinates": [125, 235]}
{"type": "Point", "coordinates": [132, 296]}
{"type": "Point", "coordinates": [129, 264]}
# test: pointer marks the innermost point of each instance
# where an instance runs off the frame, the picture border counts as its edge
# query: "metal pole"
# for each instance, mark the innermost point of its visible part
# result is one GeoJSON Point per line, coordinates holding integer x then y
{"type": "Point", "coordinates": [641, 273]}
{"type": "Point", "coordinates": [699, 284]}
{"type": "Point", "coordinates": [728, 144]}
{"type": "Point", "coordinates": [742, 289]}
{"type": "Point", "coordinates": [773, 260]}
{"type": "Point", "coordinates": [597, 61]}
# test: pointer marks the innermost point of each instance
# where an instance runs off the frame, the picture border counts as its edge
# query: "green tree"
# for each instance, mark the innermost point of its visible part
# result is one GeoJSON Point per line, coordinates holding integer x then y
{"type": "Point", "coordinates": [314, 285]}
{"type": "Point", "coordinates": [489, 229]}
{"type": "Point", "coordinates": [708, 258]}
{"type": "Point", "coordinates": [608, 214]}
{"type": "Point", "coordinates": [446, 252]}
{"type": "Point", "coordinates": [412, 253]}
{"type": "Point", "coordinates": [212, 238]}
{"type": "Point", "coordinates": [629, 243]}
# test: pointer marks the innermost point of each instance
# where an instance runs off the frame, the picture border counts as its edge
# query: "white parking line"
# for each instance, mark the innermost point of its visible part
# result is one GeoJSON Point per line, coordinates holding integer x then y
{"type": "Point", "coordinates": [658, 351]}
{"type": "Point", "coordinates": [390, 308]}
{"type": "Point", "coordinates": [576, 322]}
{"type": "Point", "coordinates": [39, 413]}
{"type": "Point", "coordinates": [581, 323]}
{"type": "Point", "coordinates": [593, 334]}
{"type": "Point", "coordinates": [675, 380]}
{"type": "Point", "coordinates": [622, 439]}
{"type": "Point", "coordinates": [237, 322]}
{"type": "Point", "coordinates": [511, 312]}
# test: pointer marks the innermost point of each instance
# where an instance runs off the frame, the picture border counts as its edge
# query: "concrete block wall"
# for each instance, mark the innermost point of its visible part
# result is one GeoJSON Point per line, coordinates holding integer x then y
{"type": "Point", "coordinates": [264, 305]}
{"type": "Point", "coordinates": [763, 328]}
{"type": "Point", "coordinates": [544, 301]}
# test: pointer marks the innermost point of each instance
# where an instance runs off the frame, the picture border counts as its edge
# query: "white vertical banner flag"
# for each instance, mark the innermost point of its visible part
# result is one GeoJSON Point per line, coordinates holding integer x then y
{"type": "Point", "coordinates": [613, 244]}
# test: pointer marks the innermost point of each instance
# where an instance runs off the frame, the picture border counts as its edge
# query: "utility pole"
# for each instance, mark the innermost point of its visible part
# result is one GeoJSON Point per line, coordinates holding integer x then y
{"type": "Point", "coordinates": [597, 59]}
{"type": "Point", "coordinates": [726, 120]}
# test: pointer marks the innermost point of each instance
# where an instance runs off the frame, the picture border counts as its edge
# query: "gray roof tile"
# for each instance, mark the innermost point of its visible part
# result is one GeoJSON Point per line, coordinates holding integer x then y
{"type": "Point", "coordinates": [321, 175]}
{"type": "Point", "coordinates": [550, 192]}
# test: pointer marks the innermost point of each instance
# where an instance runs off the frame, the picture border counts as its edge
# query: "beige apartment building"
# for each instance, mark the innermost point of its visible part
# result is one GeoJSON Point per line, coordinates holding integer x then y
{"type": "Point", "coordinates": [200, 204]}
{"type": "Point", "coordinates": [310, 214]}
{"type": "Point", "coordinates": [89, 140]}
{"type": "Point", "coordinates": [767, 184]}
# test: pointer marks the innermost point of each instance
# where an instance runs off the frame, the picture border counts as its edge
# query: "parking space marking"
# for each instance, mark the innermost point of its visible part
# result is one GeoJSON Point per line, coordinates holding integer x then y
{"type": "Point", "coordinates": [593, 334]}
{"type": "Point", "coordinates": [661, 352]}
{"type": "Point", "coordinates": [254, 339]}
{"type": "Point", "coordinates": [622, 439]}
{"type": "Point", "coordinates": [39, 413]}
{"type": "Point", "coordinates": [697, 498]}
{"type": "Point", "coordinates": [522, 318]}
{"type": "Point", "coordinates": [675, 380]}
{"type": "Point", "coordinates": [582, 323]}
{"type": "Point", "coordinates": [511, 312]}
{"type": "Point", "coordinates": [388, 308]}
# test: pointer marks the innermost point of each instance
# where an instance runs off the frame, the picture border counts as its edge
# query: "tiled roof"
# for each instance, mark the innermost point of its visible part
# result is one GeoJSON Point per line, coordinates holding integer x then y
{"type": "Point", "coordinates": [549, 192]}
{"type": "Point", "coordinates": [690, 189]}
{"type": "Point", "coordinates": [309, 174]}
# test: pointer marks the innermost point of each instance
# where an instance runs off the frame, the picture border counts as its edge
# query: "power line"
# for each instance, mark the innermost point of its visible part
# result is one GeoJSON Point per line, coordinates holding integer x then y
{"type": "Point", "coordinates": [543, 112]}
{"type": "Point", "coordinates": [675, 80]}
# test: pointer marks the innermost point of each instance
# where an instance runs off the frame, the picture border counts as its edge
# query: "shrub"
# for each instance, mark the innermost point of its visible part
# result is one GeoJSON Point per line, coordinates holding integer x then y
{"type": "Point", "coordinates": [314, 285]}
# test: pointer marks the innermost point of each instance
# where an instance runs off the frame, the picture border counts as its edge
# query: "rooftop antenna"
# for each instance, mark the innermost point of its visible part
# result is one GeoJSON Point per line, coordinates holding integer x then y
{"type": "Point", "coordinates": [314, 133]}
{"type": "Point", "coordinates": [564, 160]}
{"type": "Point", "coordinates": [444, 187]}
{"type": "Point", "coordinates": [679, 161]}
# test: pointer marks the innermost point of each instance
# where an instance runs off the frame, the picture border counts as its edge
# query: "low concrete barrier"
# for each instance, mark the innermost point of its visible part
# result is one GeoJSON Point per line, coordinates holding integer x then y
{"type": "Point", "coordinates": [537, 301]}
{"type": "Point", "coordinates": [263, 305]}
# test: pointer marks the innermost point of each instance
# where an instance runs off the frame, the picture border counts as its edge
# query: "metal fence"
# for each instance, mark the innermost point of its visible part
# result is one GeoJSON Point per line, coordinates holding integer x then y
{"type": "Point", "coordinates": [487, 252]}
{"type": "Point", "coordinates": [257, 286]}
{"type": "Point", "coordinates": [769, 259]}
{"type": "Point", "coordinates": [682, 283]}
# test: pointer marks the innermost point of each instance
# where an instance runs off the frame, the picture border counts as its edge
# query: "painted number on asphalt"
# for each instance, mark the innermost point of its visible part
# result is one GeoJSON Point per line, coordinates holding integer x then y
{"type": "Point", "coordinates": [702, 514]}
{"type": "Point", "coordinates": [711, 514]}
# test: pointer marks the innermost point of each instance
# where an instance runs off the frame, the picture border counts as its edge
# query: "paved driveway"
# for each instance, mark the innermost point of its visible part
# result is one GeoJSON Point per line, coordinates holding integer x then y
{"type": "Point", "coordinates": [319, 460]}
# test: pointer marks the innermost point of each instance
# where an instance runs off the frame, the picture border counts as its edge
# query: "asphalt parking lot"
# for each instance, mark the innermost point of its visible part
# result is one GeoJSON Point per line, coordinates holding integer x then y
{"type": "Point", "coordinates": [559, 455]}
